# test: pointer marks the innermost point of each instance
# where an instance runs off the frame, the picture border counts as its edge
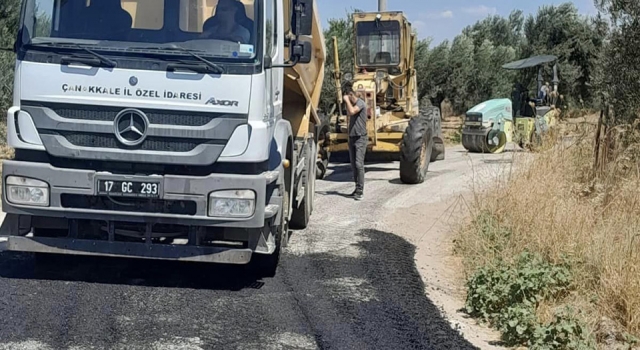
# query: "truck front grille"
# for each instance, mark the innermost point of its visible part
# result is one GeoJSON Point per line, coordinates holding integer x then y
{"type": "Point", "coordinates": [150, 144]}
{"type": "Point", "coordinates": [99, 113]}
{"type": "Point", "coordinates": [138, 205]}
{"type": "Point", "coordinates": [79, 131]}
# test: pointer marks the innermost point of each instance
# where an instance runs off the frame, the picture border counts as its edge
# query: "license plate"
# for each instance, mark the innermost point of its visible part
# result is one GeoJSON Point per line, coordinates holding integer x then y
{"type": "Point", "coordinates": [473, 123]}
{"type": "Point", "coordinates": [129, 188]}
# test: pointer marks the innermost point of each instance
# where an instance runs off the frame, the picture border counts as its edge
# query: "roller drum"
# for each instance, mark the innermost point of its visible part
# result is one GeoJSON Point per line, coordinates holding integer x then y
{"type": "Point", "coordinates": [477, 140]}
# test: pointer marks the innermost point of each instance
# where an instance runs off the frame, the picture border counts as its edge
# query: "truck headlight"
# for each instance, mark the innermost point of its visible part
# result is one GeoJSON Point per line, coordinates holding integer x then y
{"type": "Point", "coordinates": [22, 190]}
{"type": "Point", "coordinates": [232, 203]}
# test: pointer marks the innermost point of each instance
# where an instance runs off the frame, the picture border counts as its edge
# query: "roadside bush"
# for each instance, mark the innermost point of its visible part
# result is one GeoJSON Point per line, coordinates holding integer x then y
{"type": "Point", "coordinates": [507, 295]}
{"type": "Point", "coordinates": [559, 232]}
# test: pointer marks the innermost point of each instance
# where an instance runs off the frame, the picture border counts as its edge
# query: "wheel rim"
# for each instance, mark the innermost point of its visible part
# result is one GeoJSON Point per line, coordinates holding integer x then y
{"type": "Point", "coordinates": [501, 144]}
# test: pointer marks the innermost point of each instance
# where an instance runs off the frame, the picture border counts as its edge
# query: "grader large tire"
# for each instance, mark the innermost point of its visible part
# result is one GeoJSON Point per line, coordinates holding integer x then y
{"type": "Point", "coordinates": [415, 151]}
{"type": "Point", "coordinates": [438, 152]}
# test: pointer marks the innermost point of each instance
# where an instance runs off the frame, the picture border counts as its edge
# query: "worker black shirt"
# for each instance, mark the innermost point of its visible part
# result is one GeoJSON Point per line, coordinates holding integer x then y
{"type": "Point", "coordinates": [358, 122]}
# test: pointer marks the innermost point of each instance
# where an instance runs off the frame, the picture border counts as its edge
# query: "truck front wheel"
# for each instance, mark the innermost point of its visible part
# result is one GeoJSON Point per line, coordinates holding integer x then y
{"type": "Point", "coordinates": [300, 215]}
{"type": "Point", "coordinates": [267, 265]}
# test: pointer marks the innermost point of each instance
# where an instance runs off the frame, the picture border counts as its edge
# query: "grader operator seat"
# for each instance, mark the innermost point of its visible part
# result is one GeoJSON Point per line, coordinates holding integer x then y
{"type": "Point", "coordinates": [383, 58]}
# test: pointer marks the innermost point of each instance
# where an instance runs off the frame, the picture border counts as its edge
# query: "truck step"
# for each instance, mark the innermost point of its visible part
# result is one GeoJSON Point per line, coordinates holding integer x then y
{"type": "Point", "coordinates": [270, 211]}
{"type": "Point", "coordinates": [300, 195]}
{"type": "Point", "coordinates": [301, 165]}
{"type": "Point", "coordinates": [271, 176]}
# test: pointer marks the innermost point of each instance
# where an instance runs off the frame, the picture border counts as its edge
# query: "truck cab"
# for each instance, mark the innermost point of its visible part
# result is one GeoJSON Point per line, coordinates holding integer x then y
{"type": "Point", "coordinates": [157, 129]}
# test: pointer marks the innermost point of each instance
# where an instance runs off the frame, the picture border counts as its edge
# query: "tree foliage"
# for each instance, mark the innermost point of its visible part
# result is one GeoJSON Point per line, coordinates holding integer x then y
{"type": "Point", "coordinates": [468, 70]}
{"type": "Point", "coordinates": [9, 10]}
{"type": "Point", "coordinates": [597, 58]}
{"type": "Point", "coordinates": [620, 66]}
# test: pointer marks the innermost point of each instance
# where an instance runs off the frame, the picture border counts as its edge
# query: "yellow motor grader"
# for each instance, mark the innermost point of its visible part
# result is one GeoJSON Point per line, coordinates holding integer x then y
{"type": "Point", "coordinates": [384, 76]}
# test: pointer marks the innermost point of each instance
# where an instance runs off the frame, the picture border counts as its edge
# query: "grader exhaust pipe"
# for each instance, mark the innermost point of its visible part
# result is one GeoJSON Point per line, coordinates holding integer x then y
{"type": "Point", "coordinates": [382, 5]}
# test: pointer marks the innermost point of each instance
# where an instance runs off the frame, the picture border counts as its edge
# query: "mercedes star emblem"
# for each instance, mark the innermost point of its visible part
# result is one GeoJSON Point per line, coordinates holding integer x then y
{"type": "Point", "coordinates": [131, 127]}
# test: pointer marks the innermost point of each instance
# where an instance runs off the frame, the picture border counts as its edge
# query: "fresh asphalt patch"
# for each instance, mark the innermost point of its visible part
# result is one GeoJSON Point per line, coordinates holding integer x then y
{"type": "Point", "coordinates": [375, 300]}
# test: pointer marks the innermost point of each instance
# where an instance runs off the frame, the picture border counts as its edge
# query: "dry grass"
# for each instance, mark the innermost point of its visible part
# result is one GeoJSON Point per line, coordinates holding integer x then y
{"type": "Point", "coordinates": [6, 152]}
{"type": "Point", "coordinates": [558, 207]}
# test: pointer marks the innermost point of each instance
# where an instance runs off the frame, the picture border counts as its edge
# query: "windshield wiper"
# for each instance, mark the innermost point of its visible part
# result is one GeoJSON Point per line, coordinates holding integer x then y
{"type": "Point", "coordinates": [101, 62]}
{"type": "Point", "coordinates": [212, 66]}
{"type": "Point", "coordinates": [104, 60]}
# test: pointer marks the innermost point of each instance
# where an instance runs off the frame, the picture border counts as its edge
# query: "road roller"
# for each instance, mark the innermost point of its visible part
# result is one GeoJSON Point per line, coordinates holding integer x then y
{"type": "Point", "coordinates": [525, 120]}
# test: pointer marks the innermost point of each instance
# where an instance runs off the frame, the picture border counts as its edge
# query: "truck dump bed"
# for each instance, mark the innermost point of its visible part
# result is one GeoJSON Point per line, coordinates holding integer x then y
{"type": "Point", "coordinates": [303, 83]}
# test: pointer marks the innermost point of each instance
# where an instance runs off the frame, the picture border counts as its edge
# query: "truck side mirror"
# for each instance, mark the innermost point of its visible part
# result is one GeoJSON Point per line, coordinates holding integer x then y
{"type": "Point", "coordinates": [302, 20]}
{"type": "Point", "coordinates": [268, 62]}
{"type": "Point", "coordinates": [302, 51]}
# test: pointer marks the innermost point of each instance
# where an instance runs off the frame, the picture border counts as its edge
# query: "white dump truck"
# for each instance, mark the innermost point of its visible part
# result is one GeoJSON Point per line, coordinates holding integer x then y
{"type": "Point", "coordinates": [161, 129]}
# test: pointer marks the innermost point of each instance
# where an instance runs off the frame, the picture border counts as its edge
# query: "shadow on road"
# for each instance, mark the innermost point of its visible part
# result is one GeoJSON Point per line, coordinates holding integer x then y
{"type": "Point", "coordinates": [377, 296]}
{"type": "Point", "coordinates": [497, 161]}
{"type": "Point", "coordinates": [334, 193]}
{"type": "Point", "coordinates": [343, 173]}
{"type": "Point", "coordinates": [510, 150]}
{"type": "Point", "coordinates": [122, 271]}
{"type": "Point", "coordinates": [370, 157]}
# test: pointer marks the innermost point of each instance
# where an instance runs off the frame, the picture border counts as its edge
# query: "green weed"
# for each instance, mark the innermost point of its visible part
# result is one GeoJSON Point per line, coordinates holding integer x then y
{"type": "Point", "coordinates": [507, 295]}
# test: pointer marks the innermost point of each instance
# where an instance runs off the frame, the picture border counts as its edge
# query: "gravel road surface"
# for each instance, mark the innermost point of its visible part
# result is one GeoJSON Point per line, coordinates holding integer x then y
{"type": "Point", "coordinates": [346, 282]}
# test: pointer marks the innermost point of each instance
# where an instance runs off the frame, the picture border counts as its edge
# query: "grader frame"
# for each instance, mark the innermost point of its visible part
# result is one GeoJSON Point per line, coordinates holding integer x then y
{"type": "Point", "coordinates": [385, 78]}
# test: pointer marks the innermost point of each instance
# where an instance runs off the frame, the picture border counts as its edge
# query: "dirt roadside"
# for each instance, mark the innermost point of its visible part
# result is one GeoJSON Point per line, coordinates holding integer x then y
{"type": "Point", "coordinates": [440, 270]}
{"type": "Point", "coordinates": [429, 219]}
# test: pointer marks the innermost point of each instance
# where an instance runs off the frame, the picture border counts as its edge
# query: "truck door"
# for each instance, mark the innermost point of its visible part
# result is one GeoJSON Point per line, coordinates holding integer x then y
{"type": "Point", "coordinates": [274, 50]}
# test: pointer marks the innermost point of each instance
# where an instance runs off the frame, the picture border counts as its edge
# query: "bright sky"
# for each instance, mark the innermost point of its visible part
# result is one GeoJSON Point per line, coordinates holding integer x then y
{"type": "Point", "coordinates": [443, 19]}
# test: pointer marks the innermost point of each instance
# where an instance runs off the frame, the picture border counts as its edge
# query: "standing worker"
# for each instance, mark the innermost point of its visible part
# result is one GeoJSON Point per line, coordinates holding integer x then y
{"type": "Point", "coordinates": [358, 140]}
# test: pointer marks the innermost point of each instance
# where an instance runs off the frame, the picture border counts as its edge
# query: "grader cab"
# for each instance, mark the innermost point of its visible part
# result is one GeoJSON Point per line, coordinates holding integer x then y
{"type": "Point", "coordinates": [384, 76]}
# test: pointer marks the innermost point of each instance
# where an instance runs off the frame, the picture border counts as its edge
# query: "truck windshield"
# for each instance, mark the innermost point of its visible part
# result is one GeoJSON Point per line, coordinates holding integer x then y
{"type": "Point", "coordinates": [378, 43]}
{"type": "Point", "coordinates": [217, 28]}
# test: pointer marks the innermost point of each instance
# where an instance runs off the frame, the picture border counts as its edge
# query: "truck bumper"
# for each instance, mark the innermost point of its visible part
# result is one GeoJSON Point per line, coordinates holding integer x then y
{"type": "Point", "coordinates": [183, 199]}
{"type": "Point", "coordinates": [126, 250]}
{"type": "Point", "coordinates": [96, 225]}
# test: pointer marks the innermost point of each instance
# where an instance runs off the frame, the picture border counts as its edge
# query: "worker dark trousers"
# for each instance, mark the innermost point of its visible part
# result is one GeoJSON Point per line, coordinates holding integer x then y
{"type": "Point", "coordinates": [357, 150]}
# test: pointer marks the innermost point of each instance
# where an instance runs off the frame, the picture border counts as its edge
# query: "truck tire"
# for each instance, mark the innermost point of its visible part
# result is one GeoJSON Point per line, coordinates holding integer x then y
{"type": "Point", "coordinates": [321, 170]}
{"type": "Point", "coordinates": [415, 153]}
{"type": "Point", "coordinates": [323, 162]}
{"type": "Point", "coordinates": [313, 169]}
{"type": "Point", "coordinates": [300, 215]}
{"type": "Point", "coordinates": [265, 266]}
